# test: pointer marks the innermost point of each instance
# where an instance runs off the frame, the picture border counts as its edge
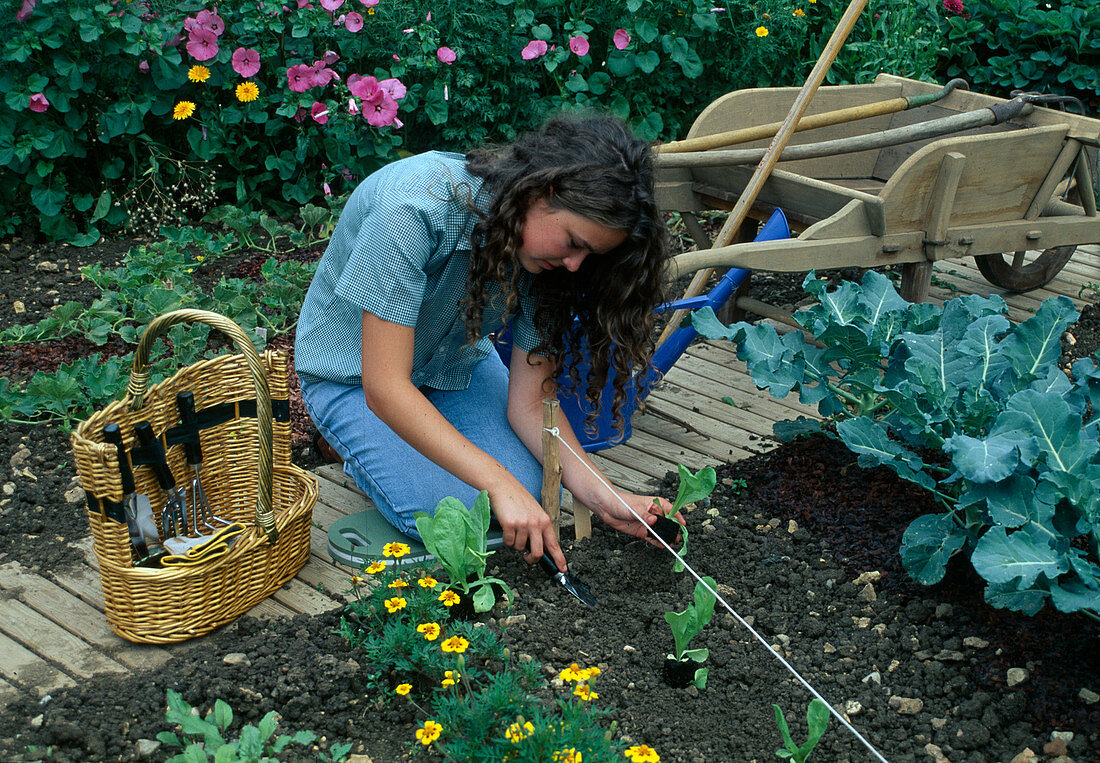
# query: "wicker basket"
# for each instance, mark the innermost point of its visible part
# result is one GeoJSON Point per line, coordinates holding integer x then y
{"type": "Point", "coordinates": [256, 485]}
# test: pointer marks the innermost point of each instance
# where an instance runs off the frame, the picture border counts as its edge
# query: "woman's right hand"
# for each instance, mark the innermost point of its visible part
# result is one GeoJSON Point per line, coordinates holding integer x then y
{"type": "Point", "coordinates": [527, 527]}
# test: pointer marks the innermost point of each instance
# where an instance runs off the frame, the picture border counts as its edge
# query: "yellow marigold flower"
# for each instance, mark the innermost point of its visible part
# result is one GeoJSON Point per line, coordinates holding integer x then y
{"type": "Point", "coordinates": [761, 31]}
{"type": "Point", "coordinates": [455, 644]}
{"type": "Point", "coordinates": [516, 733]}
{"type": "Point", "coordinates": [584, 691]}
{"type": "Point", "coordinates": [429, 733]}
{"type": "Point", "coordinates": [398, 584]}
{"type": "Point", "coordinates": [812, 2]}
{"type": "Point", "coordinates": [643, 753]}
{"type": "Point", "coordinates": [593, 671]}
{"type": "Point", "coordinates": [198, 74]}
{"type": "Point", "coordinates": [799, 12]}
{"type": "Point", "coordinates": [370, 11]}
{"type": "Point", "coordinates": [573, 673]}
{"type": "Point", "coordinates": [396, 550]}
{"type": "Point", "coordinates": [449, 598]}
{"type": "Point", "coordinates": [403, 689]}
{"type": "Point", "coordinates": [428, 582]}
{"type": "Point", "coordinates": [450, 677]}
{"type": "Point", "coordinates": [356, 580]}
{"type": "Point", "coordinates": [247, 92]}
{"type": "Point", "coordinates": [375, 567]}
{"type": "Point", "coordinates": [430, 630]}
{"type": "Point", "coordinates": [183, 110]}
{"type": "Point", "coordinates": [394, 604]}
{"type": "Point", "coordinates": [568, 755]}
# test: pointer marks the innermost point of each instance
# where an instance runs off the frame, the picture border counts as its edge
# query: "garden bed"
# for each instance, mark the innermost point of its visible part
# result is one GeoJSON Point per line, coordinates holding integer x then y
{"type": "Point", "coordinates": [928, 667]}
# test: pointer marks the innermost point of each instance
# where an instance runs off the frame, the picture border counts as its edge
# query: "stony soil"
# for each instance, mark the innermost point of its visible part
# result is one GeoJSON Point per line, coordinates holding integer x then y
{"type": "Point", "coordinates": [805, 551]}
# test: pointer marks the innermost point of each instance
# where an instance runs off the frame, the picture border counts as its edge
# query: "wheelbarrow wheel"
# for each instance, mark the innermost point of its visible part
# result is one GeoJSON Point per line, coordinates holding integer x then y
{"type": "Point", "coordinates": [1017, 271]}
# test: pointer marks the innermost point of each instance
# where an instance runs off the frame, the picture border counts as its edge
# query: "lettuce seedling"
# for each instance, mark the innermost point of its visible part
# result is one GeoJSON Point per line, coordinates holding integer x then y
{"type": "Point", "coordinates": [458, 538]}
{"type": "Point", "coordinates": [817, 718]}
{"type": "Point", "coordinates": [693, 487]}
{"type": "Point", "coordinates": [686, 625]}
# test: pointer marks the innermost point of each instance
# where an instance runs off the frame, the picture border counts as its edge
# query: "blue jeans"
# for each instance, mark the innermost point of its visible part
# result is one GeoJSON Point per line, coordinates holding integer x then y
{"type": "Point", "coordinates": [396, 476]}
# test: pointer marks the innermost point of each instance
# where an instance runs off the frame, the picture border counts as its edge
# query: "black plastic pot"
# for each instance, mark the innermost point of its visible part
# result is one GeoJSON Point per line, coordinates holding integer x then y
{"type": "Point", "coordinates": [667, 528]}
{"type": "Point", "coordinates": [679, 673]}
{"type": "Point", "coordinates": [464, 609]}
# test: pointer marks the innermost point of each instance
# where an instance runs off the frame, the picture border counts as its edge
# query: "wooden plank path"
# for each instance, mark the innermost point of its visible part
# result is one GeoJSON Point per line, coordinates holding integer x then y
{"type": "Point", "coordinates": [53, 633]}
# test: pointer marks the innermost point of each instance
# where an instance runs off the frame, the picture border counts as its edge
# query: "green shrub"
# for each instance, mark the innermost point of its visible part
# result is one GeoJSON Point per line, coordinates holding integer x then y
{"type": "Point", "coordinates": [109, 118]}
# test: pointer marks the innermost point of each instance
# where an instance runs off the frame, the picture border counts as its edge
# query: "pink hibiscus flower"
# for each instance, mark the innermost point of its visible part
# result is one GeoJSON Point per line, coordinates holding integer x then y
{"type": "Point", "coordinates": [202, 44]}
{"type": "Point", "coordinates": [578, 45]}
{"type": "Point", "coordinates": [534, 49]}
{"type": "Point", "coordinates": [331, 5]}
{"type": "Point", "coordinates": [300, 77]}
{"type": "Point", "coordinates": [446, 55]}
{"type": "Point", "coordinates": [353, 21]}
{"type": "Point", "coordinates": [24, 13]}
{"type": "Point", "coordinates": [369, 3]}
{"type": "Point", "coordinates": [394, 87]}
{"type": "Point", "coordinates": [380, 110]}
{"type": "Point", "coordinates": [621, 39]}
{"type": "Point", "coordinates": [246, 62]}
{"type": "Point", "coordinates": [331, 57]}
{"type": "Point", "coordinates": [322, 75]}
{"type": "Point", "coordinates": [319, 112]}
{"type": "Point", "coordinates": [143, 67]}
{"type": "Point", "coordinates": [39, 103]}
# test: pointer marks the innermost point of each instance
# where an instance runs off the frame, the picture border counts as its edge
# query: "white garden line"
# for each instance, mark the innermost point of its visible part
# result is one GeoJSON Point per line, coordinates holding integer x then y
{"type": "Point", "coordinates": [694, 574]}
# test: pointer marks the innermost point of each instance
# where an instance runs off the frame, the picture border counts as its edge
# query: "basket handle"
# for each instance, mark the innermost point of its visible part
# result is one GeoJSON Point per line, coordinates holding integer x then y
{"type": "Point", "coordinates": [139, 382]}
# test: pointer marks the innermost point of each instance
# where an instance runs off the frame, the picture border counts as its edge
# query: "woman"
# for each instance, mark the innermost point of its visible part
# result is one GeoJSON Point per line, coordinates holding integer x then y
{"type": "Point", "coordinates": [431, 256]}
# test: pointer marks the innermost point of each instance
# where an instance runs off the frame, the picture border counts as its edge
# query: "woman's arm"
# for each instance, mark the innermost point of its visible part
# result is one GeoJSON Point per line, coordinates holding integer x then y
{"type": "Point", "coordinates": [529, 383]}
{"type": "Point", "coordinates": [387, 371]}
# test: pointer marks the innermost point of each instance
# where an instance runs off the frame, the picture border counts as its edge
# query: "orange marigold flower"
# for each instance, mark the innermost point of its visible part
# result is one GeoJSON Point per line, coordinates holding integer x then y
{"type": "Point", "coordinates": [428, 582]}
{"type": "Point", "coordinates": [430, 630]}
{"type": "Point", "coordinates": [761, 31]}
{"type": "Point", "coordinates": [396, 550]}
{"type": "Point", "coordinates": [799, 12]}
{"type": "Point", "coordinates": [375, 567]}
{"type": "Point", "coordinates": [584, 691]}
{"type": "Point", "coordinates": [573, 673]}
{"type": "Point", "coordinates": [450, 677]}
{"type": "Point", "coordinates": [449, 598]}
{"type": "Point", "coordinates": [642, 753]}
{"type": "Point", "coordinates": [398, 584]}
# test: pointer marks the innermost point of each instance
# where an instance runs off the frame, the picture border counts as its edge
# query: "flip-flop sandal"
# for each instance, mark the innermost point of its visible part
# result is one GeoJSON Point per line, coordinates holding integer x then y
{"type": "Point", "coordinates": [325, 451]}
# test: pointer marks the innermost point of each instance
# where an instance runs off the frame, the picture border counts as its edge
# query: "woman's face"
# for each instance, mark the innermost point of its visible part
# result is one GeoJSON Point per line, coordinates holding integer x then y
{"type": "Point", "coordinates": [558, 238]}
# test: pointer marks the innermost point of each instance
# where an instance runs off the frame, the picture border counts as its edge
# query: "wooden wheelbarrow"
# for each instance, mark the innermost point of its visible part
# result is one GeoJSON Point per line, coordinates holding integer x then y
{"type": "Point", "coordinates": [1017, 196]}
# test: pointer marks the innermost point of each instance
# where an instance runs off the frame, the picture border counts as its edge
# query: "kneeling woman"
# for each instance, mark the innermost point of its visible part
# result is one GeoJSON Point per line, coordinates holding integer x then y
{"type": "Point", "coordinates": [431, 256]}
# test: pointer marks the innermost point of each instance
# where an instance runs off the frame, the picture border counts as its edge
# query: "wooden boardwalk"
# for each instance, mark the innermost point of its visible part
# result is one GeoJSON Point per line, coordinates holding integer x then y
{"type": "Point", "coordinates": [53, 632]}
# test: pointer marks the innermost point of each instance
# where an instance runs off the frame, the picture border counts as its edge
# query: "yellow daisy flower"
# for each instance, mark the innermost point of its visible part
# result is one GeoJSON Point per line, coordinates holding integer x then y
{"type": "Point", "coordinates": [182, 110]}
{"type": "Point", "coordinates": [455, 644]}
{"type": "Point", "coordinates": [394, 604]}
{"type": "Point", "coordinates": [247, 92]}
{"type": "Point", "coordinates": [429, 733]}
{"type": "Point", "coordinates": [403, 689]}
{"type": "Point", "coordinates": [198, 74]}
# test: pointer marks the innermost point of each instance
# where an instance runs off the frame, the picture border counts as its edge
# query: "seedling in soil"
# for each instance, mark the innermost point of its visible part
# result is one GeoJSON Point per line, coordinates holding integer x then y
{"type": "Point", "coordinates": [203, 736]}
{"type": "Point", "coordinates": [685, 626]}
{"type": "Point", "coordinates": [817, 718]}
{"type": "Point", "coordinates": [457, 538]}
{"type": "Point", "coordinates": [693, 487]}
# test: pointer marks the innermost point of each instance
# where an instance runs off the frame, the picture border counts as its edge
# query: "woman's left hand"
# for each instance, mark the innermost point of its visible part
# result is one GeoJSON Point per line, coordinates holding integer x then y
{"type": "Point", "coordinates": [647, 506]}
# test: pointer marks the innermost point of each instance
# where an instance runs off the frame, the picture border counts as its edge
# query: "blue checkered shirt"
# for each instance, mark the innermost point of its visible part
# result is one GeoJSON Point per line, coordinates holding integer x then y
{"type": "Point", "coordinates": [401, 252]}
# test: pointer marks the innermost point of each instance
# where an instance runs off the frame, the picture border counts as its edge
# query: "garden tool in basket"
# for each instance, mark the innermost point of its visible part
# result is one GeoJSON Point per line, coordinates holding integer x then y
{"type": "Point", "coordinates": [188, 552]}
{"type": "Point", "coordinates": [173, 517]}
{"type": "Point", "coordinates": [200, 507]}
{"type": "Point", "coordinates": [138, 510]}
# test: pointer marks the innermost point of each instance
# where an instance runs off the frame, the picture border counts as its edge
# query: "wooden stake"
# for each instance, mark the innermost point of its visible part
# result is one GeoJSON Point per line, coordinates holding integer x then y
{"type": "Point", "coordinates": [551, 465]}
{"type": "Point", "coordinates": [582, 520]}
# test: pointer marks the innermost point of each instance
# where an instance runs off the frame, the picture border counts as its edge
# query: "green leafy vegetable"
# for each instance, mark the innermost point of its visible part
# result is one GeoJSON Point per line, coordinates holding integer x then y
{"type": "Point", "coordinates": [686, 625]}
{"type": "Point", "coordinates": [817, 718]}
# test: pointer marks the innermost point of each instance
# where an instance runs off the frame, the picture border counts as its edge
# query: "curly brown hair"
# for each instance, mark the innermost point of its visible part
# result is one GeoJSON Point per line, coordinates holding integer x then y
{"type": "Point", "coordinates": [603, 313]}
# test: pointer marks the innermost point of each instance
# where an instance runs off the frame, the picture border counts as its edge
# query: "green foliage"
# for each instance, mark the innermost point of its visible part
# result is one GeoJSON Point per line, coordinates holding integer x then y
{"type": "Point", "coordinates": [1005, 45]}
{"type": "Point", "coordinates": [967, 405]}
{"type": "Point", "coordinates": [901, 37]}
{"type": "Point", "coordinates": [817, 719]}
{"type": "Point", "coordinates": [151, 280]}
{"type": "Point", "coordinates": [686, 625]}
{"type": "Point", "coordinates": [203, 737]}
{"type": "Point", "coordinates": [107, 150]}
{"type": "Point", "coordinates": [457, 538]}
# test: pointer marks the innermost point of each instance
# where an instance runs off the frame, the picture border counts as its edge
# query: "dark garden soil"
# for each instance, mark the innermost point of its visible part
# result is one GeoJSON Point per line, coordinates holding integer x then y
{"type": "Point", "coordinates": [804, 545]}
